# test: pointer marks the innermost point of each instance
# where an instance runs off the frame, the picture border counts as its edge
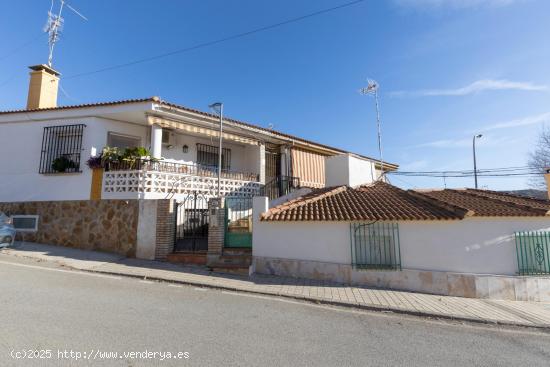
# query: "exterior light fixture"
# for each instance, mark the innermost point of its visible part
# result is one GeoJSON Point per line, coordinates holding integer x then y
{"type": "Point", "coordinates": [185, 148]}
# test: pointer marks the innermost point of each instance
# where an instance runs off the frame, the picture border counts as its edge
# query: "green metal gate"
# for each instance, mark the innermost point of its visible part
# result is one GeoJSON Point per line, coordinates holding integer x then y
{"type": "Point", "coordinates": [238, 222]}
{"type": "Point", "coordinates": [532, 250]}
{"type": "Point", "coordinates": [375, 246]}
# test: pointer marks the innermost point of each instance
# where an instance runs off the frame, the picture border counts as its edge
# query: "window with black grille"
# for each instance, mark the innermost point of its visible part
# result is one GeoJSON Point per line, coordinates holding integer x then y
{"type": "Point", "coordinates": [61, 149]}
{"type": "Point", "coordinates": [207, 155]}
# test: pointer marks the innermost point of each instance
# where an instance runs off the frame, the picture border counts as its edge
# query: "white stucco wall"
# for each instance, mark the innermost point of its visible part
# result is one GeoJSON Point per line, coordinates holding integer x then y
{"type": "Point", "coordinates": [346, 169]}
{"type": "Point", "coordinates": [244, 158]}
{"type": "Point", "coordinates": [480, 245]}
{"type": "Point", "coordinates": [20, 148]}
{"type": "Point", "coordinates": [147, 230]}
{"type": "Point", "coordinates": [21, 144]}
{"type": "Point", "coordinates": [316, 241]}
{"type": "Point", "coordinates": [474, 245]}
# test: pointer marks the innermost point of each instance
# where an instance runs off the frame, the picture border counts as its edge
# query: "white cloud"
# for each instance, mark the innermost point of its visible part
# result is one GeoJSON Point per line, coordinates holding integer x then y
{"type": "Point", "coordinates": [445, 143]}
{"type": "Point", "coordinates": [475, 87]}
{"type": "Point", "coordinates": [455, 4]}
{"type": "Point", "coordinates": [525, 121]}
{"type": "Point", "coordinates": [466, 142]}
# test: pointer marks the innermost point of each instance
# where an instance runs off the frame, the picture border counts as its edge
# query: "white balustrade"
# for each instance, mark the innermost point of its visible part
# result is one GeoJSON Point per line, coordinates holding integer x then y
{"type": "Point", "coordinates": [146, 184]}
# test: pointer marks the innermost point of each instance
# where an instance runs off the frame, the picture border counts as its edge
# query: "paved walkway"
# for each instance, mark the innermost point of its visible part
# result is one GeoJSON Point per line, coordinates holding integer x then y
{"type": "Point", "coordinates": [502, 312]}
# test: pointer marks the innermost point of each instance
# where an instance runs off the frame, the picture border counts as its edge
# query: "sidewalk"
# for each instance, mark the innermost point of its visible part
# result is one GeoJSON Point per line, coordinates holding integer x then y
{"type": "Point", "coordinates": [532, 314]}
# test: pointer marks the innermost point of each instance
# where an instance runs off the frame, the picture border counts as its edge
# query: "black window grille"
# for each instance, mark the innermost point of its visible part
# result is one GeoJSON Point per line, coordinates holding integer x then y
{"type": "Point", "coordinates": [61, 149]}
{"type": "Point", "coordinates": [207, 155]}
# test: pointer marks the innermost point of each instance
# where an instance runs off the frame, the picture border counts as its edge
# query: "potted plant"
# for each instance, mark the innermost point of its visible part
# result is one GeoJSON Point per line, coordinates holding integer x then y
{"type": "Point", "coordinates": [63, 164]}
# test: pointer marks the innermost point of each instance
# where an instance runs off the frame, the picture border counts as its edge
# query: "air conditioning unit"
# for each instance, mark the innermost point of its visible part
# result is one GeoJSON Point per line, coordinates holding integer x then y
{"type": "Point", "coordinates": [168, 137]}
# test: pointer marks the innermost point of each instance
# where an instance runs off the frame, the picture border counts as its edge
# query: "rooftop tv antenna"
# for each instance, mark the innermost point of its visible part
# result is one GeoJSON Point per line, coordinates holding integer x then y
{"type": "Point", "coordinates": [372, 89]}
{"type": "Point", "coordinates": [54, 25]}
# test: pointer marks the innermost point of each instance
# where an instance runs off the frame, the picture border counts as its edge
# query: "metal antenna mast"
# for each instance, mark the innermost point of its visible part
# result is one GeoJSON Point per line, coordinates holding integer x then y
{"type": "Point", "coordinates": [54, 26]}
{"type": "Point", "coordinates": [372, 89]}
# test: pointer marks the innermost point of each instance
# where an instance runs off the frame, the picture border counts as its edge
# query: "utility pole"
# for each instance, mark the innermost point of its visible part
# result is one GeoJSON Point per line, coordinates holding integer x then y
{"type": "Point", "coordinates": [218, 108]}
{"type": "Point", "coordinates": [372, 89]}
{"type": "Point", "coordinates": [475, 163]}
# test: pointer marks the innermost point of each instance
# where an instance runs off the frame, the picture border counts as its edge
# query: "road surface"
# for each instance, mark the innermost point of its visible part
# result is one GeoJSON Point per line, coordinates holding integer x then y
{"type": "Point", "coordinates": [68, 318]}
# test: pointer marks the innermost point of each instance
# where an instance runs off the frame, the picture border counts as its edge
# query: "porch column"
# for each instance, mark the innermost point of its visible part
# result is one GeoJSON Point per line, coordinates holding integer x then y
{"type": "Point", "coordinates": [260, 163]}
{"type": "Point", "coordinates": [156, 141]}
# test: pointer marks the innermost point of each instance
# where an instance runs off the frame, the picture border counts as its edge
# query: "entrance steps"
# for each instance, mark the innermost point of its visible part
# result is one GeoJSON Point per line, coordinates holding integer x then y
{"type": "Point", "coordinates": [187, 257]}
{"type": "Point", "coordinates": [233, 260]}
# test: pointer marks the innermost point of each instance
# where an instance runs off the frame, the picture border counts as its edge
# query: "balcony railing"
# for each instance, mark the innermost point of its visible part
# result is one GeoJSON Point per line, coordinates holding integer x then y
{"type": "Point", "coordinates": [280, 186]}
{"type": "Point", "coordinates": [160, 179]}
{"type": "Point", "coordinates": [191, 169]}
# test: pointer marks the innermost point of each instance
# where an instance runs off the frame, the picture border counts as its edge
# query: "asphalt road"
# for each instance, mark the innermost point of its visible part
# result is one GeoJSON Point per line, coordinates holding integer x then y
{"type": "Point", "coordinates": [44, 307]}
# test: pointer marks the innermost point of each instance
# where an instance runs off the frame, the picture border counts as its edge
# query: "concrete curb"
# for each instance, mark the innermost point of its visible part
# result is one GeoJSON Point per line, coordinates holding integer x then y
{"type": "Point", "coordinates": [309, 299]}
{"type": "Point", "coordinates": [324, 301]}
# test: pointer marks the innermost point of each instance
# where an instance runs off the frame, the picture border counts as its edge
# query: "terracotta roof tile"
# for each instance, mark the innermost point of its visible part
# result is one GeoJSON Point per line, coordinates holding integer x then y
{"type": "Point", "coordinates": [489, 204]}
{"type": "Point", "coordinates": [382, 201]}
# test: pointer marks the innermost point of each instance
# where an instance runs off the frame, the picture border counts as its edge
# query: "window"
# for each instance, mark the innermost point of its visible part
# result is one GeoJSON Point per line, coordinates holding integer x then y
{"type": "Point", "coordinates": [123, 141]}
{"type": "Point", "coordinates": [61, 149]}
{"type": "Point", "coordinates": [25, 223]}
{"type": "Point", "coordinates": [375, 246]}
{"type": "Point", "coordinates": [207, 155]}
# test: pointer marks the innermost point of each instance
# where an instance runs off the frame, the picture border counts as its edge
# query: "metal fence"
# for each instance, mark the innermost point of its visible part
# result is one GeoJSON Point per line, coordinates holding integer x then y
{"type": "Point", "coordinates": [532, 250]}
{"type": "Point", "coordinates": [238, 224]}
{"type": "Point", "coordinates": [183, 168]}
{"type": "Point", "coordinates": [375, 246]}
{"type": "Point", "coordinates": [192, 223]}
{"type": "Point", "coordinates": [280, 186]}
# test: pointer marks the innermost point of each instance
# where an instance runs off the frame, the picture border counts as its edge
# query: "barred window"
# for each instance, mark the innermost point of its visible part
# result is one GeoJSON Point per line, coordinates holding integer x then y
{"type": "Point", "coordinates": [61, 149]}
{"type": "Point", "coordinates": [375, 246]}
{"type": "Point", "coordinates": [207, 155]}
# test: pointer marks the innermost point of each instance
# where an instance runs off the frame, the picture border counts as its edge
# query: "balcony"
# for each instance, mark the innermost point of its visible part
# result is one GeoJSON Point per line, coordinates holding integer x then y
{"type": "Point", "coordinates": [147, 179]}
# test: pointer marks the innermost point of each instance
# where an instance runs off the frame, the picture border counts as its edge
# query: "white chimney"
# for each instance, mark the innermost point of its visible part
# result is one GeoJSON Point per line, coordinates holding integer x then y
{"type": "Point", "coordinates": [349, 169]}
{"type": "Point", "coordinates": [42, 87]}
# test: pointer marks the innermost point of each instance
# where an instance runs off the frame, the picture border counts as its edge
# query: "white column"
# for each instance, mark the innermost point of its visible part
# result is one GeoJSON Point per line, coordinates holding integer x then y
{"type": "Point", "coordinates": [156, 141]}
{"type": "Point", "coordinates": [261, 164]}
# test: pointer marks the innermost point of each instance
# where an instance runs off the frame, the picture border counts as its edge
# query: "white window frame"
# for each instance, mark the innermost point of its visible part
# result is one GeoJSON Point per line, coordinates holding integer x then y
{"type": "Point", "coordinates": [35, 229]}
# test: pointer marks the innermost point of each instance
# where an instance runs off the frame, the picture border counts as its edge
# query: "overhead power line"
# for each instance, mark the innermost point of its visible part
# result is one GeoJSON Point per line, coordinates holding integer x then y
{"type": "Point", "coordinates": [217, 41]}
{"type": "Point", "coordinates": [22, 46]}
{"type": "Point", "coordinates": [524, 171]}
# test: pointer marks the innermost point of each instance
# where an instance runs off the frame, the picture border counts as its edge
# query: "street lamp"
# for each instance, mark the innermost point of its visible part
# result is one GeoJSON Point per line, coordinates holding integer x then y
{"type": "Point", "coordinates": [372, 89]}
{"type": "Point", "coordinates": [474, 149]}
{"type": "Point", "coordinates": [218, 108]}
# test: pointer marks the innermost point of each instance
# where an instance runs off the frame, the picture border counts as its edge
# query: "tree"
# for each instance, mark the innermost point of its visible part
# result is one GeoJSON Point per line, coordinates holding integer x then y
{"type": "Point", "coordinates": [539, 159]}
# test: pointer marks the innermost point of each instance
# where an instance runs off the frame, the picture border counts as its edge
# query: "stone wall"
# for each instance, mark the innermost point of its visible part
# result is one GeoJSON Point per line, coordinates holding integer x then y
{"type": "Point", "coordinates": [104, 225]}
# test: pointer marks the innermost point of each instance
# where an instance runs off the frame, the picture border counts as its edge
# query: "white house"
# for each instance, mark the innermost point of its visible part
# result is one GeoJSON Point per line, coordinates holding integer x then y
{"type": "Point", "coordinates": [50, 155]}
{"type": "Point", "coordinates": [50, 145]}
{"type": "Point", "coordinates": [472, 243]}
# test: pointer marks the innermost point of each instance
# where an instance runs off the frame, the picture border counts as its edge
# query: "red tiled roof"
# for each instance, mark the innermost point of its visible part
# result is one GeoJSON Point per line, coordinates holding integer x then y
{"type": "Point", "coordinates": [158, 100]}
{"type": "Point", "coordinates": [382, 201]}
{"type": "Point", "coordinates": [490, 204]}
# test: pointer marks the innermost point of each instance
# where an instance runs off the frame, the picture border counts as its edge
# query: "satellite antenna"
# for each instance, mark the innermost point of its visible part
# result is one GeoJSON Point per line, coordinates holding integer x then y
{"type": "Point", "coordinates": [372, 89]}
{"type": "Point", "coordinates": [54, 26]}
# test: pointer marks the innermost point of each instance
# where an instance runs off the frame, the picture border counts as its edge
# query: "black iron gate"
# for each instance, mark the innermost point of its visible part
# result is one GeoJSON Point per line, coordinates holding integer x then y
{"type": "Point", "coordinates": [192, 224]}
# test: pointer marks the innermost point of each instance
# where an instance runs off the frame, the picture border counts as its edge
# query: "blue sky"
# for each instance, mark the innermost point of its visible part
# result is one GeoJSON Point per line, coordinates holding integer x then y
{"type": "Point", "coordinates": [448, 69]}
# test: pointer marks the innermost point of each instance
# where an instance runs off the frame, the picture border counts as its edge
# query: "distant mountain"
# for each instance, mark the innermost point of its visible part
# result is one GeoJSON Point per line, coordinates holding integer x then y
{"type": "Point", "coordinates": [537, 194]}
